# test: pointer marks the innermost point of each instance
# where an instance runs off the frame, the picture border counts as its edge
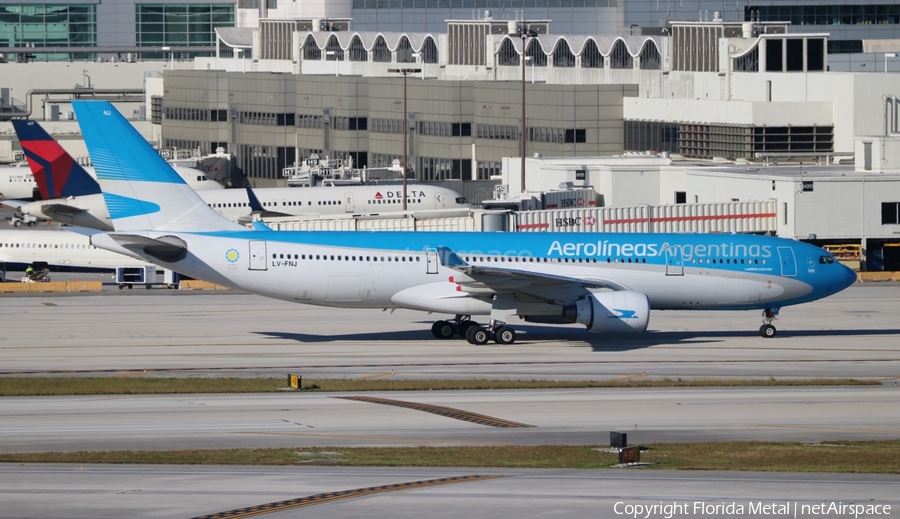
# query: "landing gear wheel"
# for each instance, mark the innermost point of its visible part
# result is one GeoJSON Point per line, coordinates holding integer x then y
{"type": "Point", "coordinates": [464, 327]}
{"type": "Point", "coordinates": [505, 335]}
{"type": "Point", "coordinates": [443, 329]}
{"type": "Point", "coordinates": [477, 335]}
{"type": "Point", "coordinates": [767, 330]}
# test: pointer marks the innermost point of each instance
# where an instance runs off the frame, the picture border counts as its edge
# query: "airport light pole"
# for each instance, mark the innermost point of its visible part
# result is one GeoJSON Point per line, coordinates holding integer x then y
{"type": "Point", "coordinates": [405, 122]}
{"type": "Point", "coordinates": [524, 32]}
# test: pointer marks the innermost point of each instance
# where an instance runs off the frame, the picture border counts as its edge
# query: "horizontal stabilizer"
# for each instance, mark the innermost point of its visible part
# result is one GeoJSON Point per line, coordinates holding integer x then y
{"type": "Point", "coordinates": [168, 249]}
{"type": "Point", "coordinates": [53, 210]}
{"type": "Point", "coordinates": [14, 204]}
{"type": "Point", "coordinates": [248, 219]}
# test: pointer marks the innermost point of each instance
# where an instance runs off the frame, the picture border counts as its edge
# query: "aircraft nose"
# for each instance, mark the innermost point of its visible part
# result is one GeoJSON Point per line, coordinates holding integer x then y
{"type": "Point", "coordinates": [847, 277]}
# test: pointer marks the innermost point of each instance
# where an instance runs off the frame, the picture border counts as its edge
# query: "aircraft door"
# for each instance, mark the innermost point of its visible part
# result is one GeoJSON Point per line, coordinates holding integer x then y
{"type": "Point", "coordinates": [257, 255]}
{"type": "Point", "coordinates": [348, 202]}
{"type": "Point", "coordinates": [788, 263]}
{"type": "Point", "coordinates": [674, 262]}
{"type": "Point", "coordinates": [431, 261]}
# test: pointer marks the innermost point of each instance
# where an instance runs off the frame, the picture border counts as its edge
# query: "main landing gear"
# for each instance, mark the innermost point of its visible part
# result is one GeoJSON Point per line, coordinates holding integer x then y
{"type": "Point", "coordinates": [767, 330]}
{"type": "Point", "coordinates": [473, 332]}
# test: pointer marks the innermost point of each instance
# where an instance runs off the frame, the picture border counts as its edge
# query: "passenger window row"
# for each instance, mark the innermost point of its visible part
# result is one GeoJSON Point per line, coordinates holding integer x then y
{"type": "Point", "coordinates": [47, 246]}
{"type": "Point", "coordinates": [332, 257]}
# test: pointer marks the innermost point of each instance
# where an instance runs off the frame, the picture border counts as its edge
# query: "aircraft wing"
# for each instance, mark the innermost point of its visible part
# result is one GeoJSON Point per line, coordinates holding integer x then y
{"type": "Point", "coordinates": [165, 248]}
{"type": "Point", "coordinates": [15, 204]}
{"type": "Point", "coordinates": [540, 285]}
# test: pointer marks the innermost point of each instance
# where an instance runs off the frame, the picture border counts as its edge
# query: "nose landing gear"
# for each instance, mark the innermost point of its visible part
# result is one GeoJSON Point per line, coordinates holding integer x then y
{"type": "Point", "coordinates": [767, 330]}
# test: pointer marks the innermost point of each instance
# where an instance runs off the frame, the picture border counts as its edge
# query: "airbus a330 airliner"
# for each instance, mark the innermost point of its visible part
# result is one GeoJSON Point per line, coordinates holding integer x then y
{"type": "Point", "coordinates": [71, 196]}
{"type": "Point", "coordinates": [607, 282]}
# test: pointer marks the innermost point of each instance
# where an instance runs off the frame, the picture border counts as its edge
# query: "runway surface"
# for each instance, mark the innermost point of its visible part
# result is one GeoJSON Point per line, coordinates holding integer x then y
{"type": "Point", "coordinates": [110, 491]}
{"type": "Point", "coordinates": [585, 416]}
{"type": "Point", "coordinates": [164, 332]}
{"type": "Point", "coordinates": [167, 333]}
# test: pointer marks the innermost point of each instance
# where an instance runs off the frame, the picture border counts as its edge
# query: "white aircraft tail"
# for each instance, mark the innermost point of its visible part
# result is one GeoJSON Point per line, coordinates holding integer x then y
{"type": "Point", "coordinates": [141, 189]}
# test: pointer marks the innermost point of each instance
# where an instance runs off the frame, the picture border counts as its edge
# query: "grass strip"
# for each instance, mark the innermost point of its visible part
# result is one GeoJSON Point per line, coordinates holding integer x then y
{"type": "Point", "coordinates": [45, 386]}
{"type": "Point", "coordinates": [875, 457]}
{"type": "Point", "coordinates": [57, 386]}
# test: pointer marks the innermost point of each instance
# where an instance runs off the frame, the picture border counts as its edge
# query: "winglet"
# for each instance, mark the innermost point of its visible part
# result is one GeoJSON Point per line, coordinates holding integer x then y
{"type": "Point", "coordinates": [450, 258]}
{"type": "Point", "coordinates": [55, 171]}
{"type": "Point", "coordinates": [260, 226]}
{"type": "Point", "coordinates": [255, 204]}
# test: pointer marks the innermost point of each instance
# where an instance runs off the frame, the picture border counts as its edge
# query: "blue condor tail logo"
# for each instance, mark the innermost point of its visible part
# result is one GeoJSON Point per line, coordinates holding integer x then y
{"type": "Point", "coordinates": [688, 252]}
{"type": "Point", "coordinates": [623, 314]}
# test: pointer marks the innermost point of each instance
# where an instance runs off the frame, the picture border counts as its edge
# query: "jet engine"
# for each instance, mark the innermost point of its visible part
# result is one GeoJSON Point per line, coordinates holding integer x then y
{"type": "Point", "coordinates": [611, 312]}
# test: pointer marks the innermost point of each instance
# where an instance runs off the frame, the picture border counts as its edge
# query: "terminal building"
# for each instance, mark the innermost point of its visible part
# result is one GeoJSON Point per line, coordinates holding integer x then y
{"type": "Point", "coordinates": [861, 30]}
{"type": "Point", "coordinates": [708, 99]}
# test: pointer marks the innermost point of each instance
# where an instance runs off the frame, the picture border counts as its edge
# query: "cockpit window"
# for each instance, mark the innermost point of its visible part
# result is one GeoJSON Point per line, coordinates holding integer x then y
{"type": "Point", "coordinates": [461, 200]}
{"type": "Point", "coordinates": [826, 260]}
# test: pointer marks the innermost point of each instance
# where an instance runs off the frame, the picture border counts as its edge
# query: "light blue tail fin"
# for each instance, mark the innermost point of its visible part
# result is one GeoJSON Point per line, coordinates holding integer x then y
{"type": "Point", "coordinates": [141, 189]}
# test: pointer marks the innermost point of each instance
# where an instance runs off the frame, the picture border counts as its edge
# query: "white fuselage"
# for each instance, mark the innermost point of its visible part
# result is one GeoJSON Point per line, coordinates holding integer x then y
{"type": "Point", "coordinates": [59, 248]}
{"type": "Point", "coordinates": [335, 200]}
{"type": "Point", "coordinates": [235, 204]}
{"type": "Point", "coordinates": [353, 274]}
{"type": "Point", "coordinates": [17, 182]}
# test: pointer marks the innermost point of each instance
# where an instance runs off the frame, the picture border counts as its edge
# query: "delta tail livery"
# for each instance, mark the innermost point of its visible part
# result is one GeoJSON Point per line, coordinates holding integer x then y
{"type": "Point", "coordinates": [53, 174]}
{"type": "Point", "coordinates": [71, 196]}
{"type": "Point", "coordinates": [607, 282]}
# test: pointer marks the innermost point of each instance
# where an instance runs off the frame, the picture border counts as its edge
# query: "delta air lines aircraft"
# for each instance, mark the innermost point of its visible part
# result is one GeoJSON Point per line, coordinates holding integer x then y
{"type": "Point", "coordinates": [606, 282]}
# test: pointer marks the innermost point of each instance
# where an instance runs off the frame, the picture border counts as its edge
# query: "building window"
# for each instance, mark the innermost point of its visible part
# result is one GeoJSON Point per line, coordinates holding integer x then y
{"type": "Point", "coordinates": [357, 51]}
{"type": "Point", "coordinates": [380, 52]}
{"type": "Point", "coordinates": [429, 51]}
{"type": "Point", "coordinates": [461, 130]}
{"type": "Point", "coordinates": [845, 46]}
{"type": "Point", "coordinates": [650, 59]}
{"type": "Point", "coordinates": [591, 57]}
{"type": "Point", "coordinates": [180, 24]}
{"type": "Point", "coordinates": [577, 135]}
{"type": "Point", "coordinates": [619, 56]}
{"type": "Point", "coordinates": [405, 51]}
{"type": "Point", "coordinates": [837, 14]}
{"type": "Point", "coordinates": [562, 56]}
{"type": "Point", "coordinates": [890, 213]}
{"type": "Point", "coordinates": [311, 52]}
{"type": "Point", "coordinates": [536, 53]}
{"type": "Point", "coordinates": [46, 25]}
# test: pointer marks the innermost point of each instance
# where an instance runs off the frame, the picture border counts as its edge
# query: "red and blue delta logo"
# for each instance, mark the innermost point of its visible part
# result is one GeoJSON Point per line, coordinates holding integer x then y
{"type": "Point", "coordinates": [232, 255]}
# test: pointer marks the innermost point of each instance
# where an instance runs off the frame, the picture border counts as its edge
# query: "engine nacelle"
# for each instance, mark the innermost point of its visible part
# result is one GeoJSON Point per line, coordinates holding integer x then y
{"type": "Point", "coordinates": [611, 312]}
